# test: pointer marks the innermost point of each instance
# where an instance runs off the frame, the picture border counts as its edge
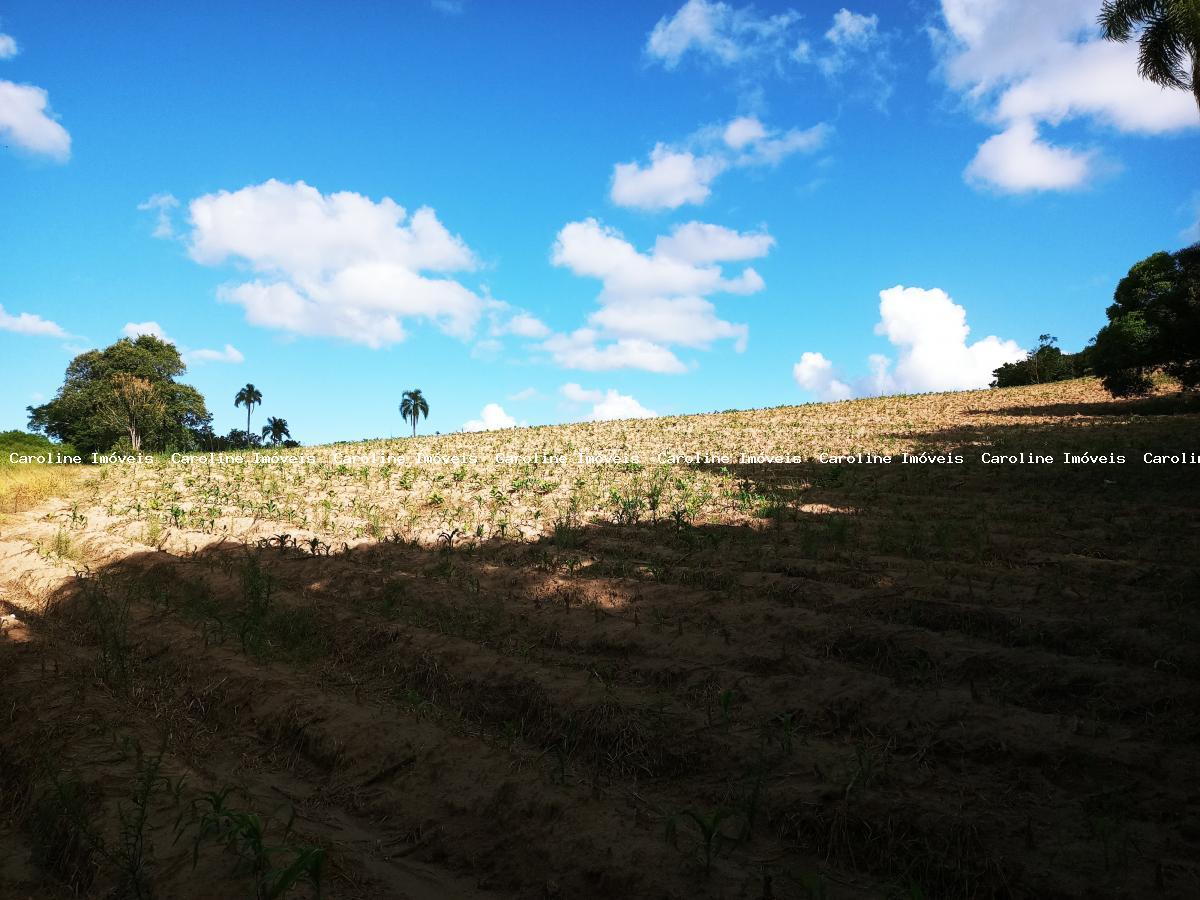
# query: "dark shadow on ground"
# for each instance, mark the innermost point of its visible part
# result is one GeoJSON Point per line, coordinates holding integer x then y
{"type": "Point", "coordinates": [933, 631]}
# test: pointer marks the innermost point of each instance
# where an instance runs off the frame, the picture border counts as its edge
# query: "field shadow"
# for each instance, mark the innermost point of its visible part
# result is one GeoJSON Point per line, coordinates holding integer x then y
{"type": "Point", "coordinates": [841, 560]}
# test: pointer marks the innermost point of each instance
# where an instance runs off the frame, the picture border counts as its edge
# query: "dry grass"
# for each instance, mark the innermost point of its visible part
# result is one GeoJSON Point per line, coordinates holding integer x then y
{"type": "Point", "coordinates": [23, 487]}
{"type": "Point", "coordinates": [553, 680]}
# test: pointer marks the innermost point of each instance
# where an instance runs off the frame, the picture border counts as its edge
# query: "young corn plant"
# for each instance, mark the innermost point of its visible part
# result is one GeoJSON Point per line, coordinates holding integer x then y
{"type": "Point", "coordinates": [275, 868]}
{"type": "Point", "coordinates": [712, 838]}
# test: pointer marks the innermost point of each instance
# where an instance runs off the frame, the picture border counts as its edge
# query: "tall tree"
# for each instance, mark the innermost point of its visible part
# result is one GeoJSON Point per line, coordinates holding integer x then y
{"type": "Point", "coordinates": [85, 411]}
{"type": "Point", "coordinates": [250, 396]}
{"type": "Point", "coordinates": [1168, 42]}
{"type": "Point", "coordinates": [133, 404]}
{"type": "Point", "coordinates": [1153, 323]}
{"type": "Point", "coordinates": [277, 429]}
{"type": "Point", "coordinates": [413, 405]}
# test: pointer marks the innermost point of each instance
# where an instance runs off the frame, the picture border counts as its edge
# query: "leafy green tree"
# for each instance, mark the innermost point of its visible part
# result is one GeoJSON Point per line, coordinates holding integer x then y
{"type": "Point", "coordinates": [1168, 36]}
{"type": "Point", "coordinates": [277, 429]}
{"type": "Point", "coordinates": [131, 382]}
{"type": "Point", "coordinates": [412, 406]}
{"type": "Point", "coordinates": [1153, 323]}
{"type": "Point", "coordinates": [250, 396]}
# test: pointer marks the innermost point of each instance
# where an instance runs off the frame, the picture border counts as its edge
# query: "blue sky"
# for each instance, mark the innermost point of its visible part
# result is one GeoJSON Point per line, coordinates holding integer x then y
{"type": "Point", "coordinates": [669, 207]}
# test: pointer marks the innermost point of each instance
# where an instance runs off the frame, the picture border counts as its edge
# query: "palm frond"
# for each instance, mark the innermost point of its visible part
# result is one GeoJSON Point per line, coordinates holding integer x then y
{"type": "Point", "coordinates": [1119, 18]}
{"type": "Point", "coordinates": [1162, 53]}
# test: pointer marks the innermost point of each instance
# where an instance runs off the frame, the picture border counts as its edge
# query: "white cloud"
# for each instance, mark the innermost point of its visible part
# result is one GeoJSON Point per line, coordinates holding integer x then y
{"type": "Point", "coordinates": [717, 32]}
{"type": "Point", "coordinates": [161, 205]}
{"type": "Point", "coordinates": [1017, 161]}
{"type": "Point", "coordinates": [675, 176]}
{"type": "Point", "coordinates": [135, 330]}
{"type": "Point", "coordinates": [606, 405]}
{"type": "Point", "coordinates": [649, 301]}
{"type": "Point", "coordinates": [8, 46]}
{"type": "Point", "coordinates": [814, 373]}
{"type": "Point", "coordinates": [758, 44]}
{"type": "Point", "coordinates": [30, 324]}
{"type": "Point", "coordinates": [1022, 64]}
{"type": "Point", "coordinates": [855, 56]}
{"type": "Point", "coordinates": [492, 418]}
{"type": "Point", "coordinates": [230, 354]}
{"type": "Point", "coordinates": [578, 350]}
{"type": "Point", "coordinates": [742, 131]}
{"type": "Point", "coordinates": [594, 250]}
{"type": "Point", "coordinates": [930, 332]}
{"type": "Point", "coordinates": [335, 265]}
{"type": "Point", "coordinates": [526, 394]}
{"type": "Point", "coordinates": [26, 120]}
{"type": "Point", "coordinates": [697, 242]}
{"type": "Point", "coordinates": [448, 7]}
{"type": "Point", "coordinates": [524, 325]}
{"type": "Point", "coordinates": [576, 393]}
{"type": "Point", "coordinates": [619, 406]}
{"type": "Point", "coordinates": [672, 179]}
{"type": "Point", "coordinates": [851, 29]}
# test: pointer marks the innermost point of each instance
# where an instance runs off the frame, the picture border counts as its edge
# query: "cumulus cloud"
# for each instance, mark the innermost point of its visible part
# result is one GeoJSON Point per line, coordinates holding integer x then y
{"type": "Point", "coordinates": [678, 175]}
{"type": "Point", "coordinates": [814, 373]}
{"type": "Point", "coordinates": [25, 116]}
{"type": "Point", "coordinates": [161, 205]}
{"type": "Point", "coordinates": [230, 354]}
{"type": "Point", "coordinates": [606, 405]}
{"type": "Point", "coordinates": [335, 265]}
{"type": "Point", "coordinates": [671, 179]}
{"type": "Point", "coordinates": [1025, 64]}
{"type": "Point", "coordinates": [30, 324]}
{"type": "Point", "coordinates": [929, 331]}
{"type": "Point", "coordinates": [26, 120]}
{"type": "Point", "coordinates": [651, 300]}
{"type": "Point", "coordinates": [1018, 161]}
{"type": "Point", "coordinates": [491, 418]}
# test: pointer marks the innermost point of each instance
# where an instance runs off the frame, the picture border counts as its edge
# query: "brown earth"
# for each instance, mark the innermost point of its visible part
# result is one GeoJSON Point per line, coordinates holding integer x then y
{"type": "Point", "coordinates": [814, 681]}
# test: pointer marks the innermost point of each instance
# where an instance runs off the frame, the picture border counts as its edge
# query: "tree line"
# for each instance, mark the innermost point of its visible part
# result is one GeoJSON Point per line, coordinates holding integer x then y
{"type": "Point", "coordinates": [128, 397]}
{"type": "Point", "coordinates": [1153, 327]}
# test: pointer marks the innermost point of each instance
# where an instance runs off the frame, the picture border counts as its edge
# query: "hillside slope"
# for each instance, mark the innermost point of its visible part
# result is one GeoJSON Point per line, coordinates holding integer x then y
{"type": "Point", "coordinates": [563, 679]}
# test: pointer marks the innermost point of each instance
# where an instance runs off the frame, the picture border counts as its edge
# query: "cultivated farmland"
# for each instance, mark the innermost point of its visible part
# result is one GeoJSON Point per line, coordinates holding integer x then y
{"type": "Point", "coordinates": [554, 678]}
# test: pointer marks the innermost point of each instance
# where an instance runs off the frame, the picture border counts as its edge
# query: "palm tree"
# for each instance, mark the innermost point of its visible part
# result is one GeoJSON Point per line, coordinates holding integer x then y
{"type": "Point", "coordinates": [277, 429]}
{"type": "Point", "coordinates": [413, 406]}
{"type": "Point", "coordinates": [250, 396]}
{"type": "Point", "coordinates": [1170, 34]}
